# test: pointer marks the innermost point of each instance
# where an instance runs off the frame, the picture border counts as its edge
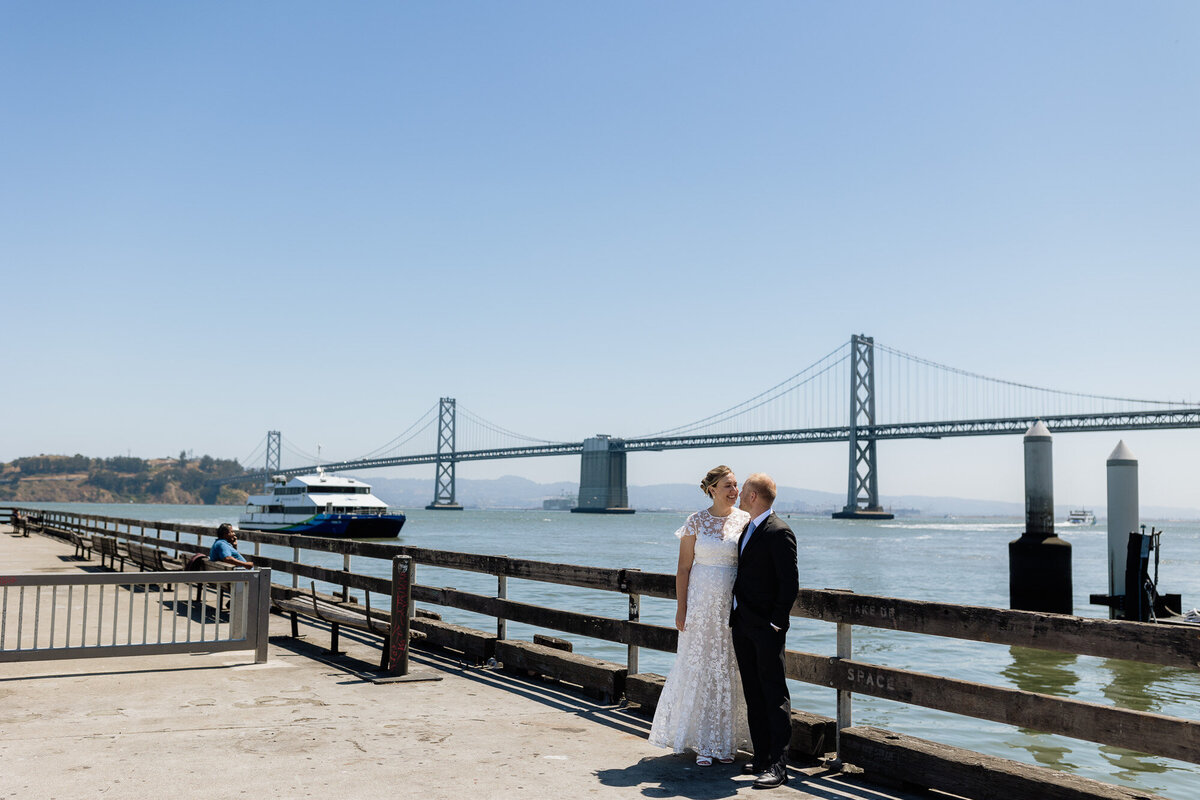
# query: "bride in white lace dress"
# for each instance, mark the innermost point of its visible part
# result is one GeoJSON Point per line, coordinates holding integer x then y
{"type": "Point", "coordinates": [702, 707]}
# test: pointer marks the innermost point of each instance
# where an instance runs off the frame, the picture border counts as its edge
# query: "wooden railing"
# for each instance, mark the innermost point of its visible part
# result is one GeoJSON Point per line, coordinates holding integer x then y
{"type": "Point", "coordinates": [1156, 734]}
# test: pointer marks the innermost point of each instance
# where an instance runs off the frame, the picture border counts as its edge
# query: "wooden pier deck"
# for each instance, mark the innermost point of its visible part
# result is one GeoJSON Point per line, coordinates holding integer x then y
{"type": "Point", "coordinates": [307, 725]}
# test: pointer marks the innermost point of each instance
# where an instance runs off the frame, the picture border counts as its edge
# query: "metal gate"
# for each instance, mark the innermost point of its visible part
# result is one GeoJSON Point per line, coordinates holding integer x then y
{"type": "Point", "coordinates": [46, 617]}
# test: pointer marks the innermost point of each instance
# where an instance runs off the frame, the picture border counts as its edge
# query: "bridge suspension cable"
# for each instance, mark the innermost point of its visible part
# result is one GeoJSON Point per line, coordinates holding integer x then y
{"type": "Point", "coordinates": [425, 421]}
{"type": "Point", "coordinates": [257, 455]}
{"type": "Point", "coordinates": [294, 450]}
{"type": "Point", "coordinates": [817, 396]}
{"type": "Point", "coordinates": [910, 388]}
{"type": "Point", "coordinates": [480, 434]}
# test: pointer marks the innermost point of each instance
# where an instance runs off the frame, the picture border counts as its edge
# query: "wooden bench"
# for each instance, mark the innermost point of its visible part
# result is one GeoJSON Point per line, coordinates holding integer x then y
{"type": "Point", "coordinates": [336, 615]}
{"type": "Point", "coordinates": [889, 757]}
{"type": "Point", "coordinates": [83, 545]}
{"type": "Point", "coordinates": [148, 559]}
{"type": "Point", "coordinates": [109, 548]}
{"type": "Point", "coordinates": [602, 678]}
{"type": "Point", "coordinates": [151, 559]}
{"type": "Point", "coordinates": [21, 523]}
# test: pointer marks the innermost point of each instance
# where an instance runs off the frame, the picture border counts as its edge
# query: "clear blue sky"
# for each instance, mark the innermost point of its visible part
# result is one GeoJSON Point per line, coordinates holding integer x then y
{"type": "Point", "coordinates": [217, 220]}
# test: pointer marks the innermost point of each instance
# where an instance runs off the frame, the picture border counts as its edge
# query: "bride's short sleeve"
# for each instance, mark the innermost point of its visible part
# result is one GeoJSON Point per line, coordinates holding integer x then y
{"type": "Point", "coordinates": [689, 528]}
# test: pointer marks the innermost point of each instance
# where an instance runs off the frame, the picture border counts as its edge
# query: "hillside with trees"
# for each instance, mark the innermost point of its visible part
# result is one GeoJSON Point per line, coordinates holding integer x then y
{"type": "Point", "coordinates": [119, 479]}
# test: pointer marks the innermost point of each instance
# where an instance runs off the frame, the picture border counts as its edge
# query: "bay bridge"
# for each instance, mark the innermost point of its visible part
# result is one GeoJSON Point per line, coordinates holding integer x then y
{"type": "Point", "coordinates": [861, 393]}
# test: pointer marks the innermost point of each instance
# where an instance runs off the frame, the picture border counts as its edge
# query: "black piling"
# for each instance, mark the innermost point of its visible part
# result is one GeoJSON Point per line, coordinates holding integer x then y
{"type": "Point", "coordinates": [1039, 563]}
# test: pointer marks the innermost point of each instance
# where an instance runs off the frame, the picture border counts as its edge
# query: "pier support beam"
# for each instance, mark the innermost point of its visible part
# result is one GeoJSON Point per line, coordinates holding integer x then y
{"type": "Point", "coordinates": [862, 496]}
{"type": "Point", "coordinates": [602, 485]}
{"type": "Point", "coordinates": [443, 490]}
{"type": "Point", "coordinates": [1039, 563]}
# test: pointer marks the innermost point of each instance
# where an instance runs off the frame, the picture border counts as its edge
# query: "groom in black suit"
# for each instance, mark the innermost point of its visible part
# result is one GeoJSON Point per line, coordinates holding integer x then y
{"type": "Point", "coordinates": [766, 586]}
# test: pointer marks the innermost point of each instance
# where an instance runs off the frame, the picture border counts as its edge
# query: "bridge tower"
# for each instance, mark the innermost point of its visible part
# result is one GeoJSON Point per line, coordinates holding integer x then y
{"type": "Point", "coordinates": [443, 489]}
{"type": "Point", "coordinates": [602, 485]}
{"type": "Point", "coordinates": [272, 465]}
{"type": "Point", "coordinates": [862, 496]}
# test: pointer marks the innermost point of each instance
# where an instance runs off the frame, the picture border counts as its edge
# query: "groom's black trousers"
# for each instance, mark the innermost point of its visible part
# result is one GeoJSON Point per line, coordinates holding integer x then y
{"type": "Point", "coordinates": [759, 654]}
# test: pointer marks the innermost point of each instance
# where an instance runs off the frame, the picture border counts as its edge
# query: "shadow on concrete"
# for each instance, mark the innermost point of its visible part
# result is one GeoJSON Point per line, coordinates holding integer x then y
{"type": "Point", "coordinates": [664, 776]}
{"type": "Point", "coordinates": [358, 668]}
{"type": "Point", "coordinates": [84, 566]}
{"type": "Point", "coordinates": [59, 675]}
{"type": "Point", "coordinates": [676, 775]}
{"type": "Point", "coordinates": [553, 695]}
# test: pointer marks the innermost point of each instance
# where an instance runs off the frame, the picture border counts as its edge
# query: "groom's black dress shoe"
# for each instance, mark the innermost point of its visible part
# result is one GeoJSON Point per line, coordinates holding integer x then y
{"type": "Point", "coordinates": [776, 775]}
{"type": "Point", "coordinates": [753, 768]}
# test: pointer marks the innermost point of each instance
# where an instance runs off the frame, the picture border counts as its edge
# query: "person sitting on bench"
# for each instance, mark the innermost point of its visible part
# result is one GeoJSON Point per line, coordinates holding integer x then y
{"type": "Point", "coordinates": [225, 548]}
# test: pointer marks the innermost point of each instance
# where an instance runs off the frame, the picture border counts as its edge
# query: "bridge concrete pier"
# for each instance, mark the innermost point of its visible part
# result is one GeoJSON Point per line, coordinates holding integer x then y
{"type": "Point", "coordinates": [863, 513]}
{"type": "Point", "coordinates": [603, 488]}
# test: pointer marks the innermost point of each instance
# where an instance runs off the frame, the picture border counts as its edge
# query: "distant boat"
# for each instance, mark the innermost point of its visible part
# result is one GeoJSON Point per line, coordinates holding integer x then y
{"type": "Point", "coordinates": [1081, 517]}
{"type": "Point", "coordinates": [321, 505]}
{"type": "Point", "coordinates": [564, 503]}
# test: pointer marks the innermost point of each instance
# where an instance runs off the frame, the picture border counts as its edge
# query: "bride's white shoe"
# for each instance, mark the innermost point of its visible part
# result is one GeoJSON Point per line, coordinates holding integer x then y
{"type": "Point", "coordinates": [703, 761]}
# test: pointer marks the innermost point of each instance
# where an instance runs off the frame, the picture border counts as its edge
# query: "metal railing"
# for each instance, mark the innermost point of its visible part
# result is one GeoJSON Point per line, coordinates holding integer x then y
{"type": "Point", "coordinates": [48, 617]}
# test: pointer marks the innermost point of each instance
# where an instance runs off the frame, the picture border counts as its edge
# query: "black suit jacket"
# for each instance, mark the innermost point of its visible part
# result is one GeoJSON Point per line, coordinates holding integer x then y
{"type": "Point", "coordinates": [767, 577]}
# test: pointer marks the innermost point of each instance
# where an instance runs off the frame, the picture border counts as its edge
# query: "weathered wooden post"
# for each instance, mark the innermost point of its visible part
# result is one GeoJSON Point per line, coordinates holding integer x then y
{"type": "Point", "coordinates": [502, 594]}
{"type": "Point", "coordinates": [402, 581]}
{"type": "Point", "coordinates": [635, 615]}
{"type": "Point", "coordinates": [295, 562]}
{"type": "Point", "coordinates": [1039, 563]}
{"type": "Point", "coordinates": [403, 569]}
{"type": "Point", "coordinates": [844, 696]}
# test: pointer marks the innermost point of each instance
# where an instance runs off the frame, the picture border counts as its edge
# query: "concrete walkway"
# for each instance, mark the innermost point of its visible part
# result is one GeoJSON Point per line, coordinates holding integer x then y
{"type": "Point", "coordinates": [306, 725]}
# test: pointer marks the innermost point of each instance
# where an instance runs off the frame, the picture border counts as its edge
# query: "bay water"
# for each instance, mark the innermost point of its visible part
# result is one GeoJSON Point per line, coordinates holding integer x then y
{"type": "Point", "coordinates": [963, 561]}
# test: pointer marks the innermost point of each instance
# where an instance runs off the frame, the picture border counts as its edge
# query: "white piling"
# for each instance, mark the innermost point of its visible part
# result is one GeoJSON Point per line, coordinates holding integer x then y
{"type": "Point", "coordinates": [1039, 481]}
{"type": "Point", "coordinates": [1123, 515]}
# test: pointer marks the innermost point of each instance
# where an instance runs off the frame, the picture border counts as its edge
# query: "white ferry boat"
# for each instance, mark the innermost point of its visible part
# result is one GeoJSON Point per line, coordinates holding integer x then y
{"type": "Point", "coordinates": [1081, 517]}
{"type": "Point", "coordinates": [564, 503]}
{"type": "Point", "coordinates": [321, 505]}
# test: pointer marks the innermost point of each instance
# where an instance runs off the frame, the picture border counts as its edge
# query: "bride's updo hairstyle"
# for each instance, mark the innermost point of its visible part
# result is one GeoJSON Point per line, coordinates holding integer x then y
{"type": "Point", "coordinates": [714, 477]}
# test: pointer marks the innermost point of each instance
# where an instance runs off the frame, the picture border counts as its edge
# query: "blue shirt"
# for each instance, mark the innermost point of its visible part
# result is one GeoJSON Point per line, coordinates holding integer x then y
{"type": "Point", "coordinates": [754, 523]}
{"type": "Point", "coordinates": [222, 550]}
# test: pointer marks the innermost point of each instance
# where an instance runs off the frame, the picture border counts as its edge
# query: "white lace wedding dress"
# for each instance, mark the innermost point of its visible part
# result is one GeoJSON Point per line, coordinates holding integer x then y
{"type": "Point", "coordinates": [702, 707]}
